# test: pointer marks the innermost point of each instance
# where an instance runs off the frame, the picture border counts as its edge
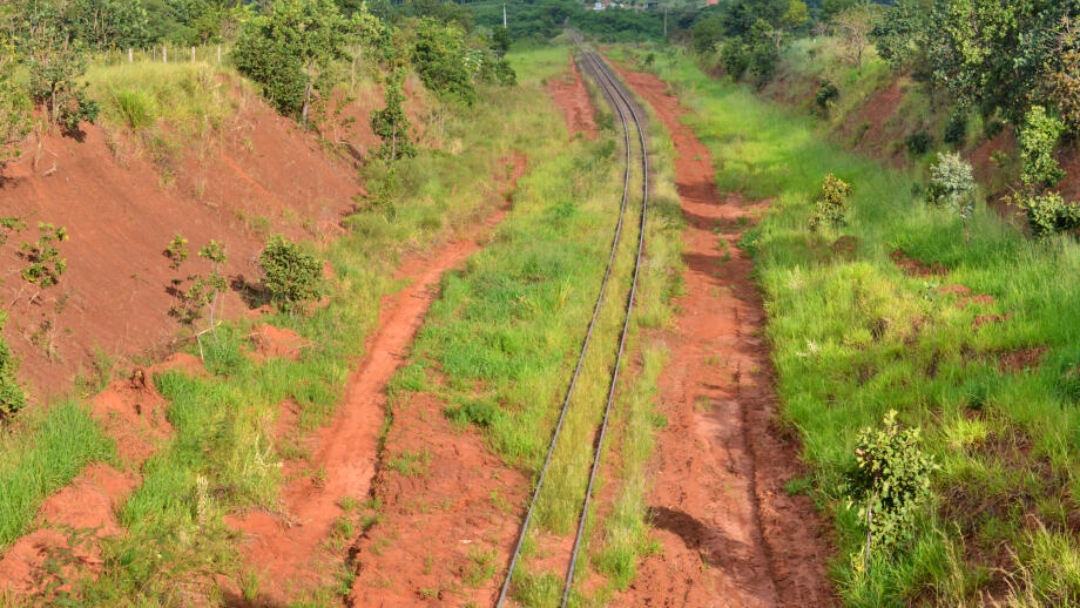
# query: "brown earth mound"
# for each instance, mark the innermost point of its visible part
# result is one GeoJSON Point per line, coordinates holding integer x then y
{"type": "Point", "coordinates": [572, 97]}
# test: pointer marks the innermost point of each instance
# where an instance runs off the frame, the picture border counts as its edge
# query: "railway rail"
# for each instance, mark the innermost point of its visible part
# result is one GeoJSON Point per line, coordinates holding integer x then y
{"type": "Point", "coordinates": [628, 114]}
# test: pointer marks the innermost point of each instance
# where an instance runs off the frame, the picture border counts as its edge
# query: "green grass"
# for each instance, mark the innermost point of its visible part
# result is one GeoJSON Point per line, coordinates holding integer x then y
{"type": "Point", "coordinates": [853, 337]}
{"type": "Point", "coordinates": [42, 454]}
{"type": "Point", "coordinates": [223, 457]}
{"type": "Point", "coordinates": [506, 331]}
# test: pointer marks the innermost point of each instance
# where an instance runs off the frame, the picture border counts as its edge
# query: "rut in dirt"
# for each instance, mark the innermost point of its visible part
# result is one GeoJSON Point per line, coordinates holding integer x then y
{"type": "Point", "coordinates": [729, 531]}
{"type": "Point", "coordinates": [289, 548]}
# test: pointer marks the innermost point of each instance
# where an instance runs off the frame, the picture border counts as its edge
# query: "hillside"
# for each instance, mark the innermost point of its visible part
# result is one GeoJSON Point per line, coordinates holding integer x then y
{"type": "Point", "coordinates": [123, 195]}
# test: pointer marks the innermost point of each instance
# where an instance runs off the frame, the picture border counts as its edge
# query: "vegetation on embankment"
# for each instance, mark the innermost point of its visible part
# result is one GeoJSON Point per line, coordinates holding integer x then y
{"type": "Point", "coordinates": [991, 376]}
{"type": "Point", "coordinates": [223, 455]}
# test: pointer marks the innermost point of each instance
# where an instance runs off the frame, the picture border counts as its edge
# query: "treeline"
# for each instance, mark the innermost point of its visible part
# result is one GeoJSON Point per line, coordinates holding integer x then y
{"type": "Point", "coordinates": [541, 20]}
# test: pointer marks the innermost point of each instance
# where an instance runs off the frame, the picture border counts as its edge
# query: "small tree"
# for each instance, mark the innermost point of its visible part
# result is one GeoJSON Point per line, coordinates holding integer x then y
{"type": "Point", "coordinates": [890, 483]}
{"type": "Point", "coordinates": [12, 397]}
{"type": "Point", "coordinates": [391, 123]}
{"type": "Point", "coordinates": [14, 110]}
{"type": "Point", "coordinates": [292, 276]}
{"type": "Point", "coordinates": [1048, 214]}
{"type": "Point", "coordinates": [952, 186]}
{"type": "Point", "coordinates": [1038, 139]}
{"type": "Point", "coordinates": [202, 291]}
{"type": "Point", "coordinates": [853, 26]}
{"type": "Point", "coordinates": [832, 203]}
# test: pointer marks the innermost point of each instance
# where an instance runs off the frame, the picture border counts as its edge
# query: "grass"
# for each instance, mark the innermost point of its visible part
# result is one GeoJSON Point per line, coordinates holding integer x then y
{"type": "Point", "coordinates": [853, 337]}
{"type": "Point", "coordinates": [44, 452]}
{"type": "Point", "coordinates": [506, 331]}
{"type": "Point", "coordinates": [223, 456]}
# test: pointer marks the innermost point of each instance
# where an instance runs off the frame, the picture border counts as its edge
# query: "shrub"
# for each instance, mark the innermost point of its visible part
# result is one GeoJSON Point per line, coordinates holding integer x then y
{"type": "Point", "coordinates": [956, 129]}
{"type": "Point", "coordinates": [890, 482]}
{"type": "Point", "coordinates": [1049, 214]}
{"type": "Point", "coordinates": [952, 185]}
{"type": "Point", "coordinates": [46, 265]}
{"type": "Point", "coordinates": [919, 143]}
{"type": "Point", "coordinates": [292, 277]}
{"type": "Point", "coordinates": [12, 397]}
{"type": "Point", "coordinates": [1038, 138]}
{"type": "Point", "coordinates": [826, 95]}
{"type": "Point", "coordinates": [831, 203]}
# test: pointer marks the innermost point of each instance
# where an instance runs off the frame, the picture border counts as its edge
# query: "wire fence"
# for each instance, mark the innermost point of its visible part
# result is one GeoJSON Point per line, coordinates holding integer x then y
{"type": "Point", "coordinates": [163, 53]}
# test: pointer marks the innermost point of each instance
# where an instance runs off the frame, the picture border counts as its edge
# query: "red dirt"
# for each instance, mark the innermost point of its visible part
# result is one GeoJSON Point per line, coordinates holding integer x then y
{"type": "Point", "coordinates": [257, 176]}
{"type": "Point", "coordinates": [288, 548]}
{"type": "Point", "coordinates": [730, 533]}
{"type": "Point", "coordinates": [1021, 360]}
{"type": "Point", "coordinates": [131, 412]}
{"type": "Point", "coordinates": [274, 342]}
{"type": "Point", "coordinates": [573, 99]}
{"type": "Point", "coordinates": [917, 268]}
{"type": "Point", "coordinates": [873, 116]}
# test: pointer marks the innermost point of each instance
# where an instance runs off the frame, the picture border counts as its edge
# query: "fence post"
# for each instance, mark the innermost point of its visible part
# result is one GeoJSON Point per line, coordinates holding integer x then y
{"type": "Point", "coordinates": [131, 55]}
{"type": "Point", "coordinates": [192, 54]}
{"type": "Point", "coordinates": [165, 53]}
{"type": "Point", "coordinates": [219, 53]}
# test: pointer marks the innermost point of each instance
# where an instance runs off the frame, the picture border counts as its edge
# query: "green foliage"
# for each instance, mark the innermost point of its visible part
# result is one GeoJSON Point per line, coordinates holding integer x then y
{"type": "Point", "coordinates": [289, 51]}
{"type": "Point", "coordinates": [12, 397]}
{"type": "Point", "coordinates": [919, 143]}
{"type": "Point", "coordinates": [105, 24]}
{"type": "Point", "coordinates": [177, 252]}
{"type": "Point", "coordinates": [14, 105]}
{"type": "Point", "coordinates": [1048, 214]}
{"type": "Point", "coordinates": [54, 71]}
{"type": "Point", "coordinates": [832, 203]}
{"type": "Point", "coordinates": [706, 33]}
{"type": "Point", "coordinates": [292, 276]}
{"type": "Point", "coordinates": [1038, 140]}
{"type": "Point", "coordinates": [45, 263]}
{"type": "Point", "coordinates": [826, 95]}
{"type": "Point", "coordinates": [890, 482]}
{"type": "Point", "coordinates": [391, 123]}
{"type": "Point", "coordinates": [439, 54]}
{"type": "Point", "coordinates": [137, 107]}
{"type": "Point", "coordinates": [952, 185]}
{"type": "Point", "coordinates": [956, 128]}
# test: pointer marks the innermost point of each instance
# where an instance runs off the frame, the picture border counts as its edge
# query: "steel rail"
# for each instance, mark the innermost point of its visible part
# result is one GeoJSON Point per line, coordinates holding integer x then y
{"type": "Point", "coordinates": [581, 357]}
{"type": "Point", "coordinates": [602, 70]}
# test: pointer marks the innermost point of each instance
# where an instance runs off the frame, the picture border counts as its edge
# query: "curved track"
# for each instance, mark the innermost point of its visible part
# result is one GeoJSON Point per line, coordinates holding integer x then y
{"type": "Point", "coordinates": [630, 117]}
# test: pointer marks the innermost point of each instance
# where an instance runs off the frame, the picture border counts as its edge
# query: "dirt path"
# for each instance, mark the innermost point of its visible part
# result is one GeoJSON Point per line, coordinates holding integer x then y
{"type": "Point", "coordinates": [289, 549]}
{"type": "Point", "coordinates": [731, 535]}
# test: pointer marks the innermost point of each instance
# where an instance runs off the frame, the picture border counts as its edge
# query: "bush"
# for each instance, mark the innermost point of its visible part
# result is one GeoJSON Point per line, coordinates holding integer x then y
{"type": "Point", "coordinates": [831, 203]}
{"type": "Point", "coordinates": [12, 397]}
{"type": "Point", "coordinates": [952, 185]}
{"type": "Point", "coordinates": [890, 482]}
{"type": "Point", "coordinates": [1038, 139]}
{"type": "Point", "coordinates": [292, 277]}
{"type": "Point", "coordinates": [136, 106]}
{"type": "Point", "coordinates": [826, 95]}
{"type": "Point", "coordinates": [956, 129]}
{"type": "Point", "coordinates": [1049, 214]}
{"type": "Point", "coordinates": [919, 143]}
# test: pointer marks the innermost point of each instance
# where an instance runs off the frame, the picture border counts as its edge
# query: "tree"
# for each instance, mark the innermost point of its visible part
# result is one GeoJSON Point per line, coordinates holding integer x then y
{"type": "Point", "coordinates": [952, 186]}
{"type": "Point", "coordinates": [439, 54]}
{"type": "Point", "coordinates": [292, 276]}
{"type": "Point", "coordinates": [1038, 139]}
{"type": "Point", "coordinates": [890, 482]}
{"type": "Point", "coordinates": [14, 105]}
{"type": "Point", "coordinates": [831, 203]}
{"type": "Point", "coordinates": [103, 24]}
{"type": "Point", "coordinates": [391, 123]}
{"type": "Point", "coordinates": [853, 26]}
{"type": "Point", "coordinates": [288, 50]}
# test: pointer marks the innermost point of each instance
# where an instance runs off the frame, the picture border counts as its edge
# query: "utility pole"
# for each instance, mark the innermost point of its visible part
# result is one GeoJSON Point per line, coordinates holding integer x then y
{"type": "Point", "coordinates": [504, 16]}
{"type": "Point", "coordinates": [665, 23]}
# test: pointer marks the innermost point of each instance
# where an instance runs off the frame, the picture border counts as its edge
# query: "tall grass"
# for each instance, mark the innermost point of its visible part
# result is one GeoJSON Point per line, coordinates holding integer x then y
{"type": "Point", "coordinates": [853, 337]}
{"type": "Point", "coordinates": [45, 452]}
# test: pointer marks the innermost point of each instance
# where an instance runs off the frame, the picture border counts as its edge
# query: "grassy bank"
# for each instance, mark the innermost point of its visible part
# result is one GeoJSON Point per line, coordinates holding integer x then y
{"type": "Point", "coordinates": [854, 336]}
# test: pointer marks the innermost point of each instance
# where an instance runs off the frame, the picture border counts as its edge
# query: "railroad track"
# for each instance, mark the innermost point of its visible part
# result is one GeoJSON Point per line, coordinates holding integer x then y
{"type": "Point", "coordinates": [630, 119]}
